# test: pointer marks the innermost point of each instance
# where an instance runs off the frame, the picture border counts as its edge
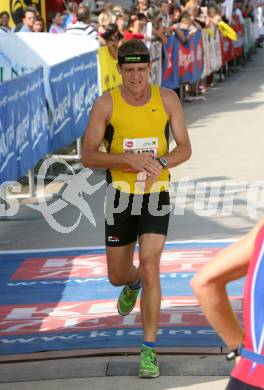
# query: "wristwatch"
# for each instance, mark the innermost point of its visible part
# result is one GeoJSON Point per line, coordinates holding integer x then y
{"type": "Point", "coordinates": [234, 353]}
{"type": "Point", "coordinates": [163, 161]}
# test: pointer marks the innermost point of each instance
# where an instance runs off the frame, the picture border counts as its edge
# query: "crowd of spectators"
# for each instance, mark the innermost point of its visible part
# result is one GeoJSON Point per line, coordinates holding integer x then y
{"type": "Point", "coordinates": [145, 19]}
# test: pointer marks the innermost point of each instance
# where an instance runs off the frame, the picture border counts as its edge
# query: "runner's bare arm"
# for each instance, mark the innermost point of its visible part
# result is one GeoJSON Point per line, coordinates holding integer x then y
{"type": "Point", "coordinates": [94, 135]}
{"type": "Point", "coordinates": [209, 286]}
{"type": "Point", "coordinates": [183, 150]}
{"type": "Point", "coordinates": [94, 158]}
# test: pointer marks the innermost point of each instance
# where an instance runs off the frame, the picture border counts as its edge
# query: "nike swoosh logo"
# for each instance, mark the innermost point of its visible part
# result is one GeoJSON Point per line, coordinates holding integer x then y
{"type": "Point", "coordinates": [154, 109]}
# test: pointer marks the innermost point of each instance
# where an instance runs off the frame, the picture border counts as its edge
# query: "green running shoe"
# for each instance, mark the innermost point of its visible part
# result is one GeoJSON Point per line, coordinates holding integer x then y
{"type": "Point", "coordinates": [127, 300]}
{"type": "Point", "coordinates": [149, 366]}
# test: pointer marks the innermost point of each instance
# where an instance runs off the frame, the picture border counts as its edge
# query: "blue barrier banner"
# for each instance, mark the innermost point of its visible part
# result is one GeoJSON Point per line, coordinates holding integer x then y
{"type": "Point", "coordinates": [74, 88]}
{"type": "Point", "coordinates": [23, 125]}
{"type": "Point", "coordinates": [170, 77]}
{"type": "Point", "coordinates": [190, 59]}
{"type": "Point", "coordinates": [183, 63]}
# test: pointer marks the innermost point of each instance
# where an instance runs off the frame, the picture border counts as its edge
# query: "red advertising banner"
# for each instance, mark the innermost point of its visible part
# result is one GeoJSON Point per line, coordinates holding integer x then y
{"type": "Point", "coordinates": [227, 49]}
{"type": "Point", "coordinates": [239, 29]}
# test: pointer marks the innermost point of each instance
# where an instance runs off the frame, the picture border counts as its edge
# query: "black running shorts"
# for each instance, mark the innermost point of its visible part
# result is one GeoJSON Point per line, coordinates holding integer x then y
{"type": "Point", "coordinates": [235, 384]}
{"type": "Point", "coordinates": [127, 216]}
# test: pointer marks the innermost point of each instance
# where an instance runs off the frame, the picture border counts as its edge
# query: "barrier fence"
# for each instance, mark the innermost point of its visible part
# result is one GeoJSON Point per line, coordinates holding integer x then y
{"type": "Point", "coordinates": [183, 63]}
{"type": "Point", "coordinates": [29, 129]}
{"type": "Point", "coordinates": [24, 136]}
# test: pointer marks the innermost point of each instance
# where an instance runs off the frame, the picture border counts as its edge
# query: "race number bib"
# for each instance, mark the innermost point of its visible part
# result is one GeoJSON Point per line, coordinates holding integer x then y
{"type": "Point", "coordinates": [140, 145]}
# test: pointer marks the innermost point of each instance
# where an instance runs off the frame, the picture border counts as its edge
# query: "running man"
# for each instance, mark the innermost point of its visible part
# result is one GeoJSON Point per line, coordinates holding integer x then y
{"type": "Point", "coordinates": [134, 121]}
{"type": "Point", "coordinates": [245, 257]}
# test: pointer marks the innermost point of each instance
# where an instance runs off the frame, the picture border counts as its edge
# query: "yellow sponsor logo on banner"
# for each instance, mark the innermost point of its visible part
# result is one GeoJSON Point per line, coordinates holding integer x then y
{"type": "Point", "coordinates": [110, 77]}
{"type": "Point", "coordinates": [15, 9]}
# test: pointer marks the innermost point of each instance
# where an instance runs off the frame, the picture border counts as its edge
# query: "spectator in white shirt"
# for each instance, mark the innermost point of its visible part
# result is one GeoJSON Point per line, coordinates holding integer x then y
{"type": "Point", "coordinates": [83, 25]}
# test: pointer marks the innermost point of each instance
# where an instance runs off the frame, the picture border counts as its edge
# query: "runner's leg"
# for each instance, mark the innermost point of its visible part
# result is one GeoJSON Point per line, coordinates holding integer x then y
{"type": "Point", "coordinates": [121, 270]}
{"type": "Point", "coordinates": [151, 246]}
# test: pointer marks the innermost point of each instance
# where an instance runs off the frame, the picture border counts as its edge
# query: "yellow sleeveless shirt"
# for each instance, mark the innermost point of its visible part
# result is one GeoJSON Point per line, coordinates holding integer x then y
{"type": "Point", "coordinates": [137, 129]}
